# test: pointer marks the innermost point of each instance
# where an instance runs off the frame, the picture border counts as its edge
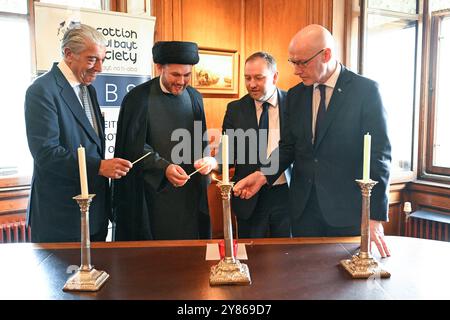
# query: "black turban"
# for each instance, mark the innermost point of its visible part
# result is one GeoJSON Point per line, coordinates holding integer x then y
{"type": "Point", "coordinates": [178, 52]}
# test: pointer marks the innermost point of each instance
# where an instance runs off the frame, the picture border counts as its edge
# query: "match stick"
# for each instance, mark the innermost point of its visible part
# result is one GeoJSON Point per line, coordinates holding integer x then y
{"type": "Point", "coordinates": [203, 166]}
{"type": "Point", "coordinates": [141, 157]}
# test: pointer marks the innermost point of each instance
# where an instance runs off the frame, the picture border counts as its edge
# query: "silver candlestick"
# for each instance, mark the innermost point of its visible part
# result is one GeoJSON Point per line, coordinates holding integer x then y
{"type": "Point", "coordinates": [86, 278]}
{"type": "Point", "coordinates": [229, 270]}
{"type": "Point", "coordinates": [363, 265]}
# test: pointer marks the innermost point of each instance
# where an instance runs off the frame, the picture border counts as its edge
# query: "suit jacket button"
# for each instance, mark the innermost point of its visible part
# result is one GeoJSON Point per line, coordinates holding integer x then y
{"type": "Point", "coordinates": [316, 160]}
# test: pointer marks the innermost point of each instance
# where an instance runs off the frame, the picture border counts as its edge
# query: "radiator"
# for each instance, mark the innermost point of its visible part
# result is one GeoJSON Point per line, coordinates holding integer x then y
{"type": "Point", "coordinates": [15, 231]}
{"type": "Point", "coordinates": [428, 225]}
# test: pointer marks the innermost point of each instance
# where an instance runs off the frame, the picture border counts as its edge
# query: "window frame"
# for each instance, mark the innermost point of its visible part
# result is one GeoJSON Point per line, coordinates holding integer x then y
{"type": "Point", "coordinates": [424, 105]}
{"type": "Point", "coordinates": [431, 171]}
{"type": "Point", "coordinates": [409, 175]}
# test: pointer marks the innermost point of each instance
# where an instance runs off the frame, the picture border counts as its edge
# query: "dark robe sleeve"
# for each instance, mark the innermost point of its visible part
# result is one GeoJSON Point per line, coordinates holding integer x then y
{"type": "Point", "coordinates": [154, 167]}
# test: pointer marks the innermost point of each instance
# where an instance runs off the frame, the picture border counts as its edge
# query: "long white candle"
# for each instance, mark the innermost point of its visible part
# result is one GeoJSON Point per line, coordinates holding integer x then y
{"type": "Point", "coordinates": [225, 176]}
{"type": "Point", "coordinates": [83, 174]}
{"type": "Point", "coordinates": [366, 161]}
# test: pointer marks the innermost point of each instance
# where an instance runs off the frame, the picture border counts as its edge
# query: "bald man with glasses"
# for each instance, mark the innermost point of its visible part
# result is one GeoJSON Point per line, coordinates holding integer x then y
{"type": "Point", "coordinates": [328, 114]}
{"type": "Point", "coordinates": [300, 63]}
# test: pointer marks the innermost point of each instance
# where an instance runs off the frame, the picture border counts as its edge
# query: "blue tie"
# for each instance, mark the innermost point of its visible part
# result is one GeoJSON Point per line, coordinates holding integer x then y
{"type": "Point", "coordinates": [263, 127]}
{"type": "Point", "coordinates": [321, 112]}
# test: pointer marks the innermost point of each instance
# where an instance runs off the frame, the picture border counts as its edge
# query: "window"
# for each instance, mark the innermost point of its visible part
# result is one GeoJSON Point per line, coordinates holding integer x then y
{"type": "Point", "coordinates": [90, 4]}
{"type": "Point", "coordinates": [13, 6]}
{"type": "Point", "coordinates": [405, 6]}
{"type": "Point", "coordinates": [396, 37]}
{"type": "Point", "coordinates": [389, 55]}
{"type": "Point", "coordinates": [17, 74]}
{"type": "Point", "coordinates": [16, 68]}
{"type": "Point", "coordinates": [438, 143]}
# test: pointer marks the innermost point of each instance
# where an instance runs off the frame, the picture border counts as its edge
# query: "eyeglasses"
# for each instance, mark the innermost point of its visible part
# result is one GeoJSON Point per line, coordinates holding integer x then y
{"type": "Point", "coordinates": [304, 63]}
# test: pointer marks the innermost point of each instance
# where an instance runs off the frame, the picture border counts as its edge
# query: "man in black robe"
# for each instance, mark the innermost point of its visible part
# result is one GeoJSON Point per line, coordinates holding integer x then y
{"type": "Point", "coordinates": [158, 200]}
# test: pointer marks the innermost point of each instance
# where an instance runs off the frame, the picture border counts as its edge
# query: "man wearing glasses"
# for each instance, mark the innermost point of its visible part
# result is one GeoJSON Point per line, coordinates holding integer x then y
{"type": "Point", "coordinates": [327, 116]}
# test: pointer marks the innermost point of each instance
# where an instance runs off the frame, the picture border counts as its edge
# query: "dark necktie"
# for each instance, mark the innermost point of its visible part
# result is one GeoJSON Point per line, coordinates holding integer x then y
{"type": "Point", "coordinates": [263, 127]}
{"type": "Point", "coordinates": [87, 106]}
{"type": "Point", "coordinates": [321, 112]}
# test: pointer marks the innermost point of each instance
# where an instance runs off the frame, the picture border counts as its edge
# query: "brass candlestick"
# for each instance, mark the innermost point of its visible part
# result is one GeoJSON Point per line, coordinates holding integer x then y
{"type": "Point", "coordinates": [363, 265]}
{"type": "Point", "coordinates": [86, 278]}
{"type": "Point", "coordinates": [229, 270]}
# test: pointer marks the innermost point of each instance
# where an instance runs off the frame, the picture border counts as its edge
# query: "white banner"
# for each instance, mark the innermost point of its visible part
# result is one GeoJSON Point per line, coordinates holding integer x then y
{"type": "Point", "coordinates": [128, 54]}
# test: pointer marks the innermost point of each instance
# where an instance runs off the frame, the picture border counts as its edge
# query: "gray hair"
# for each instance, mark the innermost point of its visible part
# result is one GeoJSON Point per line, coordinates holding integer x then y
{"type": "Point", "coordinates": [270, 60]}
{"type": "Point", "coordinates": [79, 36]}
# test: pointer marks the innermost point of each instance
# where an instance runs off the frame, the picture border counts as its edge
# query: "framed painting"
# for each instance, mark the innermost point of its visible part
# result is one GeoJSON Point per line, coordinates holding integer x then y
{"type": "Point", "coordinates": [216, 72]}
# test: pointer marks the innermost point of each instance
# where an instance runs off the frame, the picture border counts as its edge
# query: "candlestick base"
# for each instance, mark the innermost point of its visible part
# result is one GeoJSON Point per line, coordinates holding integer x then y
{"type": "Point", "coordinates": [86, 280]}
{"type": "Point", "coordinates": [229, 272]}
{"type": "Point", "coordinates": [360, 267]}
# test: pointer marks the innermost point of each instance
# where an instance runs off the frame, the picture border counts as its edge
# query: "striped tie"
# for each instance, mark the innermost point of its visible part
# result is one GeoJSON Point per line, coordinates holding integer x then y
{"type": "Point", "coordinates": [87, 106]}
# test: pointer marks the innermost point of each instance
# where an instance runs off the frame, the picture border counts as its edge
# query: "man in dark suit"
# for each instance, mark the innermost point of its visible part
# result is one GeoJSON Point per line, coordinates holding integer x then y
{"type": "Point", "coordinates": [62, 113]}
{"type": "Point", "coordinates": [262, 111]}
{"type": "Point", "coordinates": [327, 116]}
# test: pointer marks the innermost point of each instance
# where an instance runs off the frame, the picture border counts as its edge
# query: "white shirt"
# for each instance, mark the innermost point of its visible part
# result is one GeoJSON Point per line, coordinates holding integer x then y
{"type": "Point", "coordinates": [163, 88]}
{"type": "Point", "coordinates": [70, 77]}
{"type": "Point", "coordinates": [274, 127]}
{"type": "Point", "coordinates": [329, 88]}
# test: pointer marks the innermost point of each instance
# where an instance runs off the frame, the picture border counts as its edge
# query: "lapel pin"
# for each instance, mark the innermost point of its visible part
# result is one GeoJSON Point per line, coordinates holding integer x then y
{"type": "Point", "coordinates": [339, 90]}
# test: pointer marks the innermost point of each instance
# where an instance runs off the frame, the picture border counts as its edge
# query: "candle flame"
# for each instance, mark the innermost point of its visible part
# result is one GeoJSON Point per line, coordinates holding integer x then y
{"type": "Point", "coordinates": [213, 176]}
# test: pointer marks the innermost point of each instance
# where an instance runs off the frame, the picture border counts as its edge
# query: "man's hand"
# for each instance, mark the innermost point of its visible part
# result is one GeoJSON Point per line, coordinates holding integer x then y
{"type": "Point", "coordinates": [115, 168]}
{"type": "Point", "coordinates": [176, 175]}
{"type": "Point", "coordinates": [207, 164]}
{"type": "Point", "coordinates": [250, 185]}
{"type": "Point", "coordinates": [377, 236]}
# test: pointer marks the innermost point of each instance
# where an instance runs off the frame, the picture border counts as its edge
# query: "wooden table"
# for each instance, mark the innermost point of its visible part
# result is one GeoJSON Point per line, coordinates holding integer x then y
{"type": "Point", "coordinates": [280, 269]}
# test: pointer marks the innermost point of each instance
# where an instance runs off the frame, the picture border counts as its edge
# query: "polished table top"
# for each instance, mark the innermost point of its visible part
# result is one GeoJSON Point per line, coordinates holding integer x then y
{"type": "Point", "coordinates": [286, 269]}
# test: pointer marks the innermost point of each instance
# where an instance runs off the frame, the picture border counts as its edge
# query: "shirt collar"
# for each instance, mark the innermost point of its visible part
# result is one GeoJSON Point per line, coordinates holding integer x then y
{"type": "Point", "coordinates": [68, 74]}
{"type": "Point", "coordinates": [331, 82]}
{"type": "Point", "coordinates": [273, 100]}
{"type": "Point", "coordinates": [163, 88]}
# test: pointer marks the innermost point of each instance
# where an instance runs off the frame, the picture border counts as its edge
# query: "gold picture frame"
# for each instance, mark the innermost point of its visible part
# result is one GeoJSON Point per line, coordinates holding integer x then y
{"type": "Point", "coordinates": [217, 72]}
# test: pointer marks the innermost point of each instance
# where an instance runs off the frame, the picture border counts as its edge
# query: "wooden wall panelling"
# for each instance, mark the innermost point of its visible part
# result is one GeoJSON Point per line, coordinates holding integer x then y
{"type": "Point", "coordinates": [281, 21]}
{"type": "Point", "coordinates": [396, 217]}
{"type": "Point", "coordinates": [253, 27]}
{"type": "Point", "coordinates": [177, 14]}
{"type": "Point", "coordinates": [428, 196]}
{"type": "Point", "coordinates": [211, 23]}
{"type": "Point", "coordinates": [14, 194]}
{"type": "Point", "coordinates": [118, 5]}
{"type": "Point", "coordinates": [162, 10]}
{"type": "Point", "coordinates": [321, 12]}
{"type": "Point", "coordinates": [13, 202]}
